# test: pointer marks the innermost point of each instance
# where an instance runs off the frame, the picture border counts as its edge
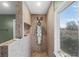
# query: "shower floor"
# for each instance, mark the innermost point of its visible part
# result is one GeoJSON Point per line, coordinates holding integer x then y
{"type": "Point", "coordinates": [39, 54]}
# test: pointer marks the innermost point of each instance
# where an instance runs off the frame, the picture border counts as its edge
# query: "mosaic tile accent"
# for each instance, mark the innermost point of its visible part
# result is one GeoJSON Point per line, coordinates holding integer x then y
{"type": "Point", "coordinates": [35, 46]}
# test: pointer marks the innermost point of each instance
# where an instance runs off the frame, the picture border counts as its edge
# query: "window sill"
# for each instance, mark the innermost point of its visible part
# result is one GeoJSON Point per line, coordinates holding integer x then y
{"type": "Point", "coordinates": [61, 54]}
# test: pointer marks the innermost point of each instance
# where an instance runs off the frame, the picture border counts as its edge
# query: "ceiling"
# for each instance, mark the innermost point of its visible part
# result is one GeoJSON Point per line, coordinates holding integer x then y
{"type": "Point", "coordinates": [38, 7]}
{"type": "Point", "coordinates": [32, 5]}
{"type": "Point", "coordinates": [10, 9]}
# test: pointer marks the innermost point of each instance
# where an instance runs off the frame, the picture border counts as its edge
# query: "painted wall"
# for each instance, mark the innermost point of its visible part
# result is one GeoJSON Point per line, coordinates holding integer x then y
{"type": "Point", "coordinates": [50, 30]}
{"type": "Point", "coordinates": [6, 27]}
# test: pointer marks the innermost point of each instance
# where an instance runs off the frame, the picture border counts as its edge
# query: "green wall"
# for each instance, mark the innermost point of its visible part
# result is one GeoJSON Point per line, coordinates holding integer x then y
{"type": "Point", "coordinates": [6, 27]}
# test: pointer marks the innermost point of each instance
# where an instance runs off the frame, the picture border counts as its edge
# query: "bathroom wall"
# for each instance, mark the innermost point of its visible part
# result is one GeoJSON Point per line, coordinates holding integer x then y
{"type": "Point", "coordinates": [26, 17]}
{"type": "Point", "coordinates": [6, 27]}
{"type": "Point", "coordinates": [22, 16]}
{"type": "Point", "coordinates": [50, 29]}
{"type": "Point", "coordinates": [35, 46]}
{"type": "Point", "coordinates": [50, 26]}
{"type": "Point", "coordinates": [26, 14]}
{"type": "Point", "coordinates": [19, 20]}
{"type": "Point", "coordinates": [20, 48]}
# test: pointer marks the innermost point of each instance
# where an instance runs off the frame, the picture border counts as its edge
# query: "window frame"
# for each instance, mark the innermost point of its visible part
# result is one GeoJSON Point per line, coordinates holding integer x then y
{"type": "Point", "coordinates": [57, 49]}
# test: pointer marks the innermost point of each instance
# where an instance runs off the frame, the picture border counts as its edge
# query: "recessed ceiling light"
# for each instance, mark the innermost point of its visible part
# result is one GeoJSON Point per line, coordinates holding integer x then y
{"type": "Point", "coordinates": [5, 4]}
{"type": "Point", "coordinates": [38, 4]}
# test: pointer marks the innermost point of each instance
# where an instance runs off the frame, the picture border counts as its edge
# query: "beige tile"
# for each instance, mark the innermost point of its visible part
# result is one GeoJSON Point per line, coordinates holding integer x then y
{"type": "Point", "coordinates": [39, 54]}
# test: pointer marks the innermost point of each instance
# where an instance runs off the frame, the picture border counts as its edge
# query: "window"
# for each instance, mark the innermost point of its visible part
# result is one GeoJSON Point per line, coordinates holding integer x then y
{"type": "Point", "coordinates": [67, 28]}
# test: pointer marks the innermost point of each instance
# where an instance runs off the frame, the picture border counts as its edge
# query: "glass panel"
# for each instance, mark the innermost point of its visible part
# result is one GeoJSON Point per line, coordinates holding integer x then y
{"type": "Point", "coordinates": [69, 29]}
{"type": "Point", "coordinates": [7, 15]}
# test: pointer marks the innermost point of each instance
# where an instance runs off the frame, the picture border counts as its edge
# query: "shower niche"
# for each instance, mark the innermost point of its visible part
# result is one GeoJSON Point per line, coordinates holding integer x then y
{"type": "Point", "coordinates": [26, 29]}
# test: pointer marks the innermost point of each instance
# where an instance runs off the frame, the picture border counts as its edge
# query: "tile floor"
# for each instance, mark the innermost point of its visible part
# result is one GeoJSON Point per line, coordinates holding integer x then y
{"type": "Point", "coordinates": [39, 54]}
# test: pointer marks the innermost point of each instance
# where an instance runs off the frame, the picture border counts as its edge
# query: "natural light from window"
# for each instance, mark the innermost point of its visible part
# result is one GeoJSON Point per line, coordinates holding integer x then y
{"type": "Point", "coordinates": [69, 29]}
